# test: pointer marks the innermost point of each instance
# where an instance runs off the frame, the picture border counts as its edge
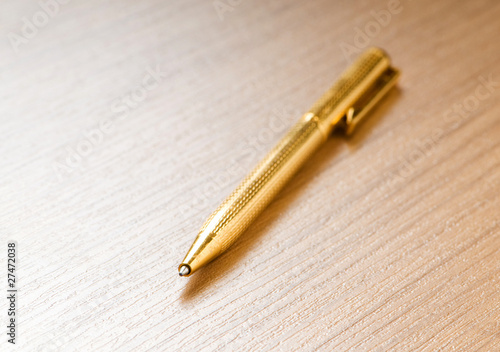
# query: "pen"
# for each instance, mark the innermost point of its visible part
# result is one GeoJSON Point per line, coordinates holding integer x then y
{"type": "Point", "coordinates": [358, 89]}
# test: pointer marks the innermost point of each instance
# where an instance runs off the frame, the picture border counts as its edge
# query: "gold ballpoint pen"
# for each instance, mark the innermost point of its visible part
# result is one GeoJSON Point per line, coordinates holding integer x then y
{"type": "Point", "coordinates": [364, 83]}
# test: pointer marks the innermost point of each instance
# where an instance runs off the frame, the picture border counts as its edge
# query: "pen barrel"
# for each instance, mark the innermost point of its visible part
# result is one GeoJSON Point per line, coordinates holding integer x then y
{"type": "Point", "coordinates": [258, 189]}
{"type": "Point", "coordinates": [351, 88]}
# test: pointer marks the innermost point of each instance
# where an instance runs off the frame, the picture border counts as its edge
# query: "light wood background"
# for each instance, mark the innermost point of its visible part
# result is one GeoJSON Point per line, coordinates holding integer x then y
{"type": "Point", "coordinates": [389, 240]}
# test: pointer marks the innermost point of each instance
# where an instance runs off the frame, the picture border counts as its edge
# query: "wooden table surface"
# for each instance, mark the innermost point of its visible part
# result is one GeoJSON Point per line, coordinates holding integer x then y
{"type": "Point", "coordinates": [125, 124]}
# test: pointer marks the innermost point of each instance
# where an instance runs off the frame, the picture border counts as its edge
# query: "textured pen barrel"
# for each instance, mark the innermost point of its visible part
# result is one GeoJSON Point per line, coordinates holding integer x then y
{"type": "Point", "coordinates": [258, 189]}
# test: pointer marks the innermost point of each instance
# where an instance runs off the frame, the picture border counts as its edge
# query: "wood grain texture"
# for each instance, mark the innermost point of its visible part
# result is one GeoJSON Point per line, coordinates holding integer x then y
{"type": "Point", "coordinates": [388, 240]}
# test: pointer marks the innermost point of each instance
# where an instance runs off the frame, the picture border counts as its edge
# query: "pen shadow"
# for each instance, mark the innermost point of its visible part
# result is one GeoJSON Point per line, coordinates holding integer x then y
{"type": "Point", "coordinates": [209, 275]}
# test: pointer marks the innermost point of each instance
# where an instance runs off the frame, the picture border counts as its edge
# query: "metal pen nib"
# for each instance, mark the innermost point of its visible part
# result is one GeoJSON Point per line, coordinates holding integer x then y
{"type": "Point", "coordinates": [184, 270]}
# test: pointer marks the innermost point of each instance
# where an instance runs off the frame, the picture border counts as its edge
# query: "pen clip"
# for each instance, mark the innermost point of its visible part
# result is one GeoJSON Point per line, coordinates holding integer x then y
{"type": "Point", "coordinates": [368, 100]}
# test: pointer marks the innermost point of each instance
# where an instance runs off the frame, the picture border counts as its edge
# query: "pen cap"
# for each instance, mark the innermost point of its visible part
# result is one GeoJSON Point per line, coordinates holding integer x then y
{"type": "Point", "coordinates": [357, 90]}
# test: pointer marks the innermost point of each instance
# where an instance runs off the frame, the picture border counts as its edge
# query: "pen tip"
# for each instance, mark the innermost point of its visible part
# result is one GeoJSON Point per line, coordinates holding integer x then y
{"type": "Point", "coordinates": [184, 270]}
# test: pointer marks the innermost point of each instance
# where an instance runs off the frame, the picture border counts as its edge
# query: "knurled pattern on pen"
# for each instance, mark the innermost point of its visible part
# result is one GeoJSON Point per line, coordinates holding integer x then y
{"type": "Point", "coordinates": [350, 81]}
{"type": "Point", "coordinates": [261, 177]}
